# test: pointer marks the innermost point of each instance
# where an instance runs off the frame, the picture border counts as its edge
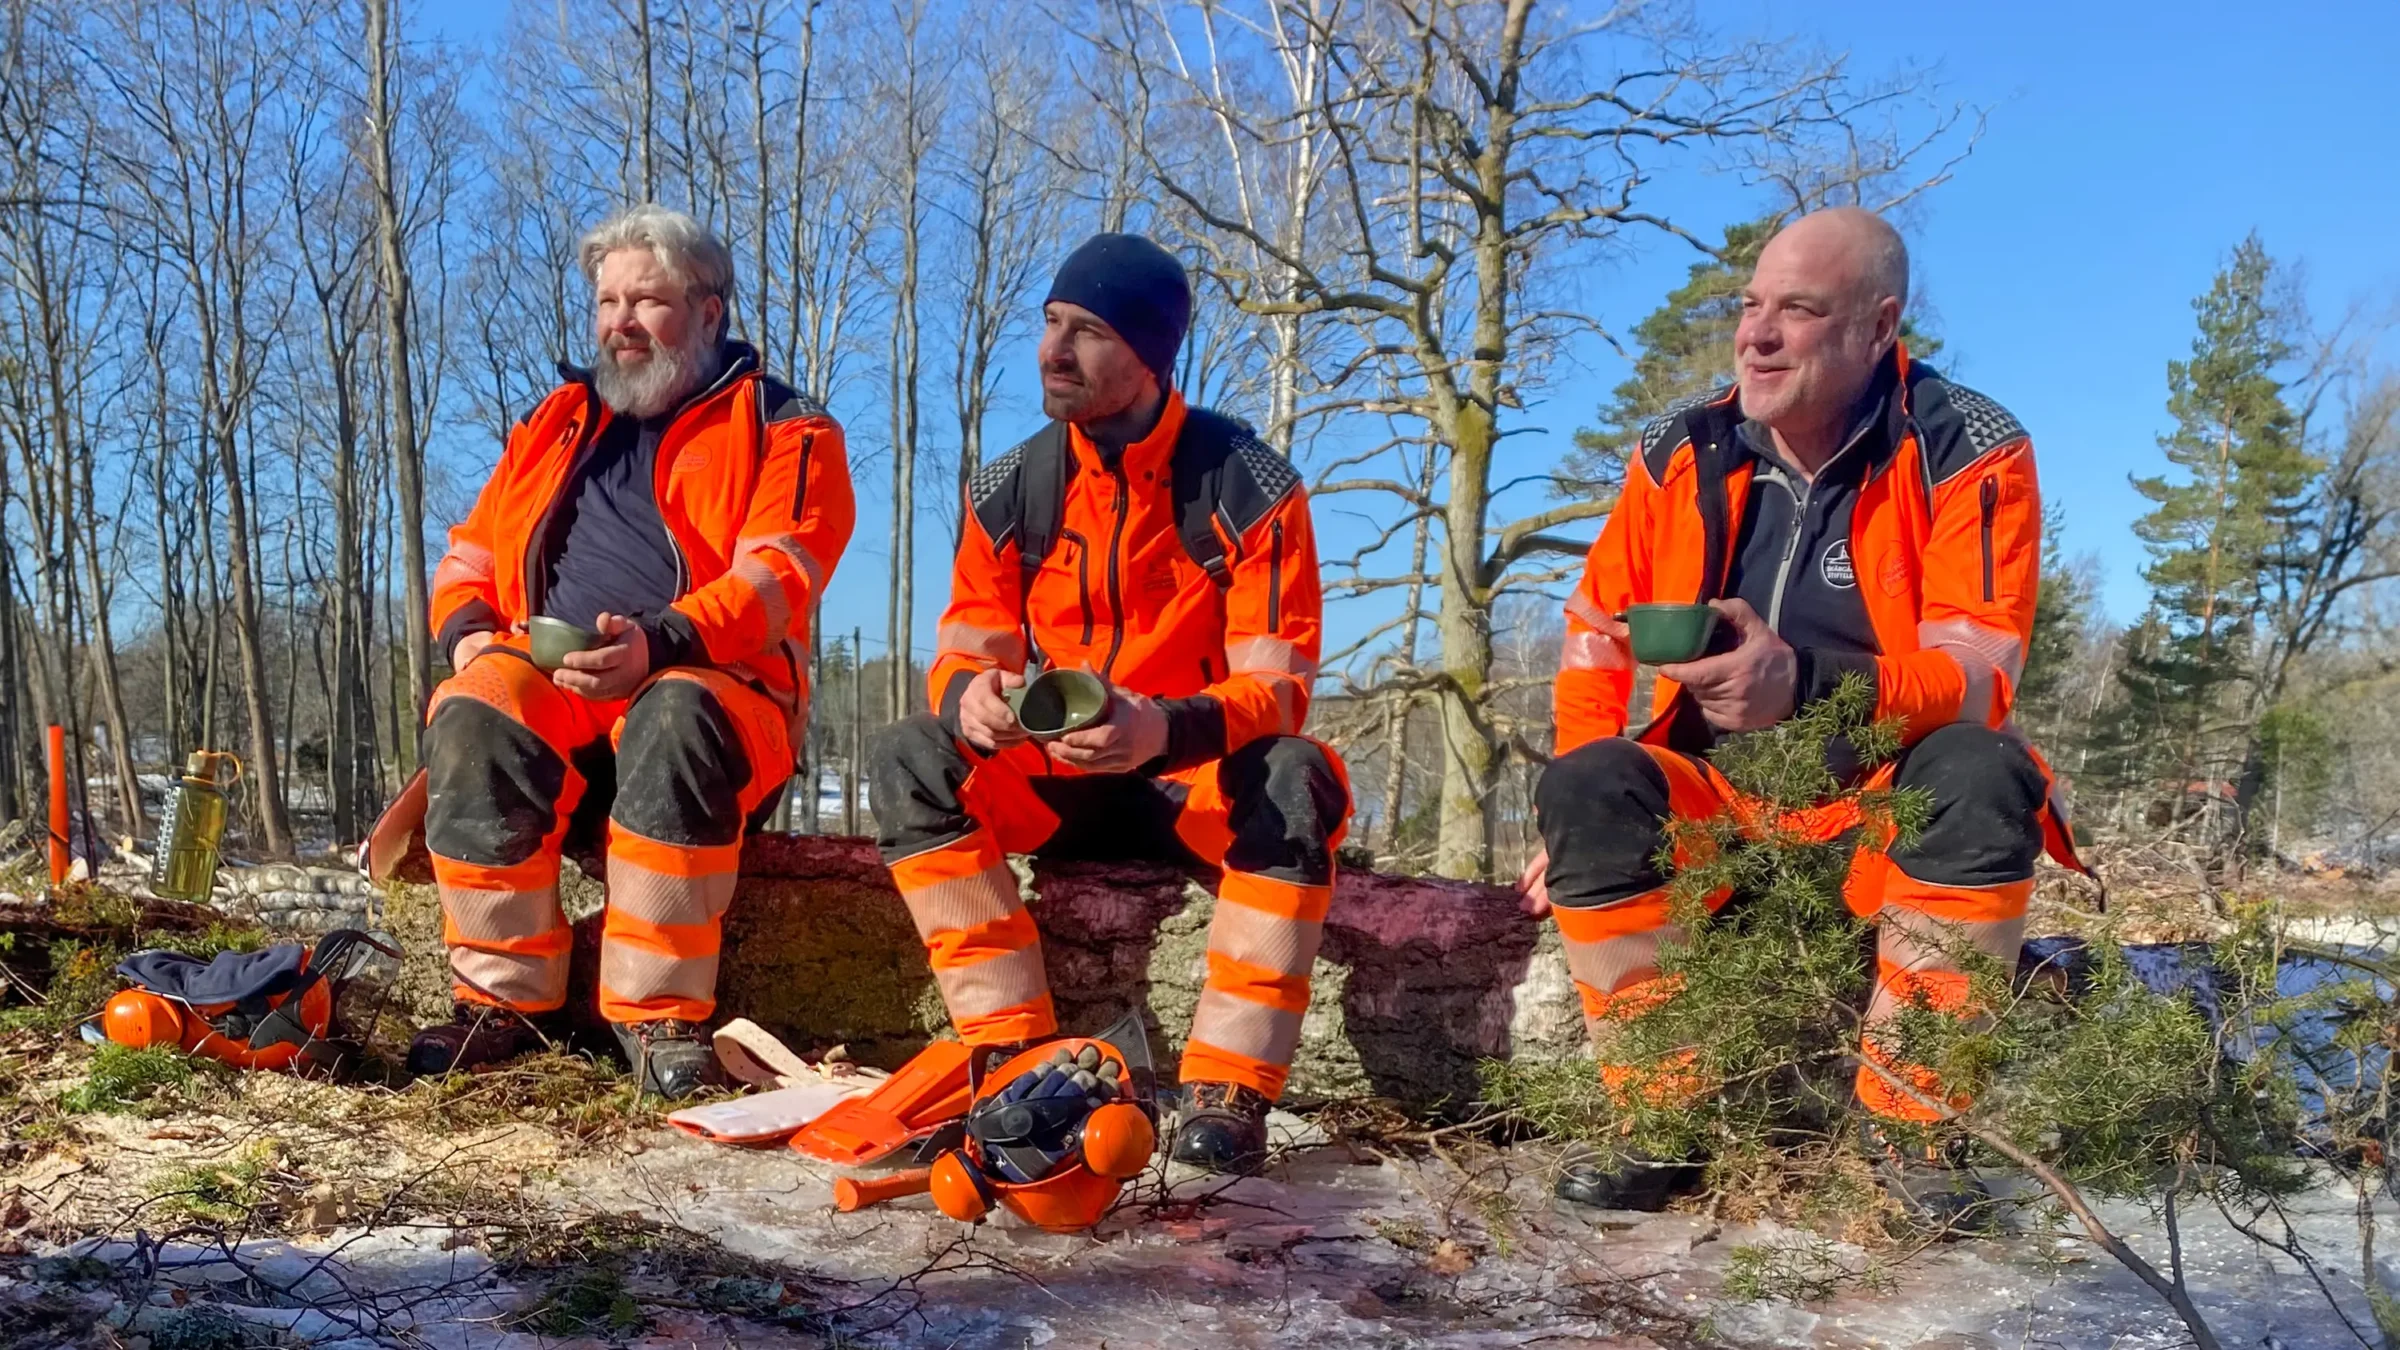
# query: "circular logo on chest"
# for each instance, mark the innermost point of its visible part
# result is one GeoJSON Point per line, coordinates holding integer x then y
{"type": "Point", "coordinates": [1839, 571]}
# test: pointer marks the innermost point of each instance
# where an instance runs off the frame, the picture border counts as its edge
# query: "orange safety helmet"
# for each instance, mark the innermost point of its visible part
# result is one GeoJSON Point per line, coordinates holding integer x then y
{"type": "Point", "coordinates": [276, 1031]}
{"type": "Point", "coordinates": [1054, 1132]}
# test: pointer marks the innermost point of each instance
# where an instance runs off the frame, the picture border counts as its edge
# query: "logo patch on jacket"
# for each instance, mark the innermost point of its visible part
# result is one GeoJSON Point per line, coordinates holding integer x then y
{"type": "Point", "coordinates": [1838, 568]}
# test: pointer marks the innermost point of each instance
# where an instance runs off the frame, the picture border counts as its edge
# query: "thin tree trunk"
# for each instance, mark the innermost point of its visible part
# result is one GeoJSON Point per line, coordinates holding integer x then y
{"type": "Point", "coordinates": [408, 452]}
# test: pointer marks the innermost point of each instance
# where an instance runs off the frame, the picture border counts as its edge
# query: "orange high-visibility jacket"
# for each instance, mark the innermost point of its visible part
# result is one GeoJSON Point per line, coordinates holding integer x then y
{"type": "Point", "coordinates": [752, 483]}
{"type": "Point", "coordinates": [1946, 537]}
{"type": "Point", "coordinates": [1120, 593]}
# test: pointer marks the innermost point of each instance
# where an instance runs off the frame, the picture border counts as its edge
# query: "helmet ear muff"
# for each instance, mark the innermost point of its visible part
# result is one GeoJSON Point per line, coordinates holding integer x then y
{"type": "Point", "coordinates": [1118, 1141]}
{"type": "Point", "coordinates": [959, 1189]}
{"type": "Point", "coordinates": [138, 1018]}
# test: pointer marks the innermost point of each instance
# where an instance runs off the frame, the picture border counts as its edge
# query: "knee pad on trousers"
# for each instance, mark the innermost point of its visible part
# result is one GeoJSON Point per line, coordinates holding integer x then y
{"type": "Point", "coordinates": [491, 785]}
{"type": "Point", "coordinates": [681, 768]}
{"type": "Point", "coordinates": [916, 773]}
{"type": "Point", "coordinates": [1284, 801]}
{"type": "Point", "coordinates": [1601, 808]}
{"type": "Point", "coordinates": [1986, 824]}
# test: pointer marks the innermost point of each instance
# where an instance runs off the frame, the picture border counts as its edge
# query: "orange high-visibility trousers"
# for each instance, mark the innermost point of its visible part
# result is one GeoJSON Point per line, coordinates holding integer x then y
{"type": "Point", "coordinates": [1266, 817]}
{"type": "Point", "coordinates": [510, 760]}
{"type": "Point", "coordinates": [1965, 884]}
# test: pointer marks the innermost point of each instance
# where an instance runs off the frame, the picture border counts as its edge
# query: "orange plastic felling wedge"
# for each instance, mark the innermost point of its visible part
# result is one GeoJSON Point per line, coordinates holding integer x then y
{"type": "Point", "coordinates": [928, 1092]}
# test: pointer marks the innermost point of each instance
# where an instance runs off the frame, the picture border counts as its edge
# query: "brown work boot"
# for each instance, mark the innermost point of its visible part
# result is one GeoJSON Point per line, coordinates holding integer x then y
{"type": "Point", "coordinates": [670, 1057]}
{"type": "Point", "coordinates": [476, 1035]}
{"type": "Point", "coordinates": [1222, 1127]}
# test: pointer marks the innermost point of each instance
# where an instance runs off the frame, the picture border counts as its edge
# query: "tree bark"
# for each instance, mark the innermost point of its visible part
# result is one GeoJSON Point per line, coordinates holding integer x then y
{"type": "Point", "coordinates": [408, 452]}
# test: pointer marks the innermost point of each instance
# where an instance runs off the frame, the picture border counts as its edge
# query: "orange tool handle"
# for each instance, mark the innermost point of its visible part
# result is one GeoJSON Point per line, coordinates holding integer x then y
{"type": "Point", "coordinates": [851, 1194]}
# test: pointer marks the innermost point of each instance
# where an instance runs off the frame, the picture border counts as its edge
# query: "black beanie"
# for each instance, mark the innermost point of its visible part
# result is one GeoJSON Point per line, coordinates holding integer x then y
{"type": "Point", "coordinates": [1135, 287]}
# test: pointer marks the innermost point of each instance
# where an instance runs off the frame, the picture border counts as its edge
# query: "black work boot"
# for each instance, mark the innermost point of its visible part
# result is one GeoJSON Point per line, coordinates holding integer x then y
{"type": "Point", "coordinates": [477, 1034]}
{"type": "Point", "coordinates": [1636, 1181]}
{"type": "Point", "coordinates": [1931, 1182]}
{"type": "Point", "coordinates": [669, 1056]}
{"type": "Point", "coordinates": [1221, 1127]}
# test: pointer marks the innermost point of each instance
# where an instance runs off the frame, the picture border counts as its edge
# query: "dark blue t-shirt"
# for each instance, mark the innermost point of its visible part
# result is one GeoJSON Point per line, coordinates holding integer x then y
{"type": "Point", "coordinates": [613, 552]}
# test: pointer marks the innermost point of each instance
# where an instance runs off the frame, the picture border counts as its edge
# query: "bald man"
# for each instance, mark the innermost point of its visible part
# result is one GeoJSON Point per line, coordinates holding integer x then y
{"type": "Point", "coordinates": [1846, 511]}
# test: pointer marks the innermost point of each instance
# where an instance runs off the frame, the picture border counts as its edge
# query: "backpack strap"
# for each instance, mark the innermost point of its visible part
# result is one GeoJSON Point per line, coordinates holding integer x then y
{"type": "Point", "coordinates": [1202, 453]}
{"type": "Point", "coordinates": [1226, 480]}
{"type": "Point", "coordinates": [1041, 497]}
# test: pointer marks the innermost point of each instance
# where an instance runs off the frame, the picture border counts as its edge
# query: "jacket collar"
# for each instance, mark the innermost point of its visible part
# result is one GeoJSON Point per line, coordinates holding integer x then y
{"type": "Point", "coordinates": [1150, 454]}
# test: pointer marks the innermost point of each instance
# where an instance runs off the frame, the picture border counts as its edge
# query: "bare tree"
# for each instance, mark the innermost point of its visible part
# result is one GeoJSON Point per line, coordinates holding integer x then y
{"type": "Point", "coordinates": [1464, 153]}
{"type": "Point", "coordinates": [909, 98]}
{"type": "Point", "coordinates": [192, 124]}
{"type": "Point", "coordinates": [1004, 199]}
{"type": "Point", "coordinates": [392, 274]}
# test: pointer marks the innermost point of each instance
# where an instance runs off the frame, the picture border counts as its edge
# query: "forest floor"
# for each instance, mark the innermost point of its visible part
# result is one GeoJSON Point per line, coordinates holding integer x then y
{"type": "Point", "coordinates": [150, 1200]}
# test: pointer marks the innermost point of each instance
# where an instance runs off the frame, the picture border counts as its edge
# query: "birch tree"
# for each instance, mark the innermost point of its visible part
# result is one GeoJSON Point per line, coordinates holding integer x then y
{"type": "Point", "coordinates": [1467, 154]}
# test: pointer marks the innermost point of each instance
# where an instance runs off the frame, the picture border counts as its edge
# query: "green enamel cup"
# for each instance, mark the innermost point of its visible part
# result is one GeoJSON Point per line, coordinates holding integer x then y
{"type": "Point", "coordinates": [1665, 634]}
{"type": "Point", "coordinates": [554, 638]}
{"type": "Point", "coordinates": [1056, 702]}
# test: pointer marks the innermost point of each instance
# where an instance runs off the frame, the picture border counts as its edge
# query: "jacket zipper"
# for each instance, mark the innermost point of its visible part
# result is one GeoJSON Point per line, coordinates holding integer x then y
{"type": "Point", "coordinates": [1116, 596]}
{"type": "Point", "coordinates": [1990, 495]}
{"type": "Point", "coordinates": [658, 496]}
{"type": "Point", "coordinates": [1083, 579]}
{"type": "Point", "coordinates": [1275, 577]}
{"type": "Point", "coordinates": [658, 471]}
{"type": "Point", "coordinates": [1791, 548]}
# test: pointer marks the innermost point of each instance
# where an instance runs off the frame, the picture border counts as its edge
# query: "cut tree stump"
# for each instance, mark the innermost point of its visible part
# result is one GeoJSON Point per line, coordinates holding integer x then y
{"type": "Point", "coordinates": [1418, 982]}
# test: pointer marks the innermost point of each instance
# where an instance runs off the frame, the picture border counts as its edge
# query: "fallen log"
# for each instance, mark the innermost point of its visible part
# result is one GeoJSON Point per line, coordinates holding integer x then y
{"type": "Point", "coordinates": [82, 912]}
{"type": "Point", "coordinates": [1419, 980]}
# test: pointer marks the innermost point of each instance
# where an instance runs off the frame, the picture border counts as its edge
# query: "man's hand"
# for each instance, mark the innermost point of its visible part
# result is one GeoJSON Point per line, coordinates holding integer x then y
{"type": "Point", "coordinates": [1134, 734]}
{"type": "Point", "coordinates": [1534, 884]}
{"type": "Point", "coordinates": [469, 647]}
{"type": "Point", "coordinates": [1755, 685]}
{"type": "Point", "coordinates": [984, 718]}
{"type": "Point", "coordinates": [612, 670]}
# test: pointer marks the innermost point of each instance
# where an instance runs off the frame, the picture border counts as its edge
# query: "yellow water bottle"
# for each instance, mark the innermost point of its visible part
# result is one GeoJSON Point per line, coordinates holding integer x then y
{"type": "Point", "coordinates": [185, 867]}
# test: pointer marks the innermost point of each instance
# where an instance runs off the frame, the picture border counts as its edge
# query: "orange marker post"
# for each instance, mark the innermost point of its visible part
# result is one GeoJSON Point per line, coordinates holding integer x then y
{"type": "Point", "coordinates": [58, 804]}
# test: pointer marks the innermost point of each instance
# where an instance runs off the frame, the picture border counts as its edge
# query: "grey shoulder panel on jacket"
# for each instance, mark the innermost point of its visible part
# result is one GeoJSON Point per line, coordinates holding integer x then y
{"type": "Point", "coordinates": [1957, 426]}
{"type": "Point", "coordinates": [1256, 481]}
{"type": "Point", "coordinates": [1668, 431]}
{"type": "Point", "coordinates": [992, 494]}
{"type": "Point", "coordinates": [780, 402]}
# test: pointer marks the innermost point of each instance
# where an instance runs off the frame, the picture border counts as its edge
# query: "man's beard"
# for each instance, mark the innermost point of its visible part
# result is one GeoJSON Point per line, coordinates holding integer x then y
{"type": "Point", "coordinates": [648, 388]}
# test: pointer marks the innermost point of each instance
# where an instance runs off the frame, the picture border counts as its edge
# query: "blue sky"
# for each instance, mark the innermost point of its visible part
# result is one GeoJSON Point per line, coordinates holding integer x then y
{"type": "Point", "coordinates": [2128, 148]}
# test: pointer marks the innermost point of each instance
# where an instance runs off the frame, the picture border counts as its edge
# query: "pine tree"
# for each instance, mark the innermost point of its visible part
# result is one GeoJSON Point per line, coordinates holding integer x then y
{"type": "Point", "coordinates": [2058, 620]}
{"type": "Point", "coordinates": [1686, 349]}
{"type": "Point", "coordinates": [2242, 474]}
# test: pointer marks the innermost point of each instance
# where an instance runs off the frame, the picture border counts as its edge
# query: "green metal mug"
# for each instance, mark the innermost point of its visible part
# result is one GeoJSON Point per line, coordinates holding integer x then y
{"type": "Point", "coordinates": [553, 639]}
{"type": "Point", "coordinates": [1664, 634]}
{"type": "Point", "coordinates": [1056, 702]}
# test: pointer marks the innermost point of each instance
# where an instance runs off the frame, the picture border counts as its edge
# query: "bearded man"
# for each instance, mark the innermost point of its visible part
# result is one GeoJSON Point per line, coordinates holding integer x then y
{"type": "Point", "coordinates": [686, 509]}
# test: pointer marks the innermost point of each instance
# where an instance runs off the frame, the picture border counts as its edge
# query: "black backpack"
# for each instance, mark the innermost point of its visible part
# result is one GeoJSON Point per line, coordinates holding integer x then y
{"type": "Point", "coordinates": [1221, 471]}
